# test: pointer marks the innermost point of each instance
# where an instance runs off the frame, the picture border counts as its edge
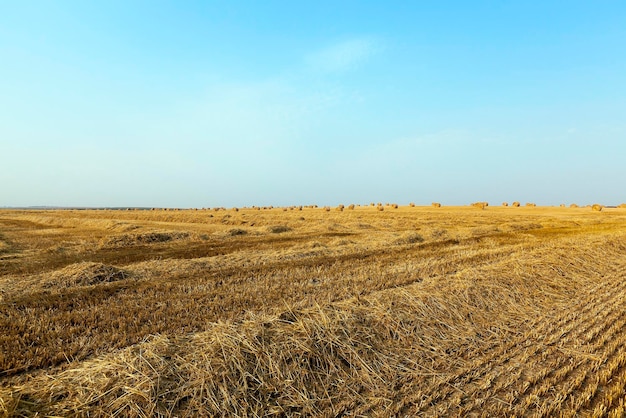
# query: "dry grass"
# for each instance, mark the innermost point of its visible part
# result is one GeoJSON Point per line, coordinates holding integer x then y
{"type": "Point", "coordinates": [407, 312]}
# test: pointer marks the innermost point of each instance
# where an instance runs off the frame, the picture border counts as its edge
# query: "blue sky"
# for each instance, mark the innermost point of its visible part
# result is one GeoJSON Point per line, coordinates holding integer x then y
{"type": "Point", "coordinates": [196, 104]}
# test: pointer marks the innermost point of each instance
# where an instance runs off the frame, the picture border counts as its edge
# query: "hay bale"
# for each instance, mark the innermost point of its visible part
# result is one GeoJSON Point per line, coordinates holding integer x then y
{"type": "Point", "coordinates": [480, 205]}
{"type": "Point", "coordinates": [573, 205]}
{"type": "Point", "coordinates": [412, 204]}
{"type": "Point", "coordinates": [516, 204]}
{"type": "Point", "coordinates": [380, 208]}
{"type": "Point", "coordinates": [622, 206]}
{"type": "Point", "coordinates": [505, 204]}
{"type": "Point", "coordinates": [327, 208]}
{"type": "Point", "coordinates": [530, 205]}
{"type": "Point", "coordinates": [597, 207]}
{"type": "Point", "coordinates": [436, 204]}
{"type": "Point", "coordinates": [394, 205]}
{"type": "Point", "coordinates": [562, 205]}
{"type": "Point", "coordinates": [351, 206]}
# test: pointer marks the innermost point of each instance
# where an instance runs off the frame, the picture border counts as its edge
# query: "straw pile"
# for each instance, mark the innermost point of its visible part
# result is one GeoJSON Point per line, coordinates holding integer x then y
{"type": "Point", "coordinates": [84, 274]}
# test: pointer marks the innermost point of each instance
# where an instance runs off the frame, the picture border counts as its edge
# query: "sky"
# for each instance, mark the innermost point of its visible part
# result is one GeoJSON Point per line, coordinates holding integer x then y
{"type": "Point", "coordinates": [240, 103]}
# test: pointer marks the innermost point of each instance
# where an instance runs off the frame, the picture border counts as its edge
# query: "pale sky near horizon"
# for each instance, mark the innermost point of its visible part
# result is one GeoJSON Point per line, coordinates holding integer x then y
{"type": "Point", "coordinates": [233, 103]}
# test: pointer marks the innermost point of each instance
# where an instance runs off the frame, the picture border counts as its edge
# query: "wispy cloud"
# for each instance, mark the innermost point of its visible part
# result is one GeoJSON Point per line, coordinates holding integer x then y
{"type": "Point", "coordinates": [343, 56]}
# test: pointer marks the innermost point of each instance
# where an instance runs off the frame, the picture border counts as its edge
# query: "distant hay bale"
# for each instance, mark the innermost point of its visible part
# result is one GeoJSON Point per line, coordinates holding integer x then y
{"type": "Point", "coordinates": [380, 208]}
{"type": "Point", "coordinates": [412, 204]}
{"type": "Point", "coordinates": [597, 207]}
{"type": "Point", "coordinates": [505, 204]}
{"type": "Point", "coordinates": [530, 205]}
{"type": "Point", "coordinates": [480, 205]}
{"type": "Point", "coordinates": [516, 204]}
{"type": "Point", "coordinates": [394, 205]}
{"type": "Point", "coordinates": [351, 206]}
{"type": "Point", "coordinates": [372, 204]}
{"type": "Point", "coordinates": [573, 205]}
{"type": "Point", "coordinates": [327, 208]}
{"type": "Point", "coordinates": [436, 204]}
{"type": "Point", "coordinates": [622, 206]}
{"type": "Point", "coordinates": [236, 209]}
{"type": "Point", "coordinates": [562, 205]}
{"type": "Point", "coordinates": [340, 208]}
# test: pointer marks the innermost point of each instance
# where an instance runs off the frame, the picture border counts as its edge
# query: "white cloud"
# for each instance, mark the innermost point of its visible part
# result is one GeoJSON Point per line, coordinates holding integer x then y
{"type": "Point", "coordinates": [343, 56]}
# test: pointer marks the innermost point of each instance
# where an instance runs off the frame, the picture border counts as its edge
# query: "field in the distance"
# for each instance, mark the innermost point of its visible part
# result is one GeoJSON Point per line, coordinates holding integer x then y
{"type": "Point", "coordinates": [414, 311]}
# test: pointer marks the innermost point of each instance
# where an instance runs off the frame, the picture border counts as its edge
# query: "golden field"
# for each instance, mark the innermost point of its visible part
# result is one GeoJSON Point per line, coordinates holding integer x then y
{"type": "Point", "coordinates": [407, 311]}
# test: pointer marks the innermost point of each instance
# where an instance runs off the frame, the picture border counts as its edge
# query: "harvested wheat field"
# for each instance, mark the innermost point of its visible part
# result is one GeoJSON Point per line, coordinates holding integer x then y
{"type": "Point", "coordinates": [406, 311]}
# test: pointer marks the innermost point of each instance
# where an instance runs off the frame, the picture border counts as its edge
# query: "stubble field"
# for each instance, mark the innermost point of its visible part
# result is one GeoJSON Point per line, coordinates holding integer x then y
{"type": "Point", "coordinates": [409, 311]}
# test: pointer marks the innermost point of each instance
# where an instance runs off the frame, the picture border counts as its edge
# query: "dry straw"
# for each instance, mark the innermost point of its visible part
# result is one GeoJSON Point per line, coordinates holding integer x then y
{"type": "Point", "coordinates": [436, 204]}
{"type": "Point", "coordinates": [402, 351]}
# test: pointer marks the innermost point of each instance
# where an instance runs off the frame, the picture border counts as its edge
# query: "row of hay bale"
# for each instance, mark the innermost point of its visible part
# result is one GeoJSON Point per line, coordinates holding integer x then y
{"type": "Point", "coordinates": [596, 207]}
{"type": "Point", "coordinates": [379, 206]}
